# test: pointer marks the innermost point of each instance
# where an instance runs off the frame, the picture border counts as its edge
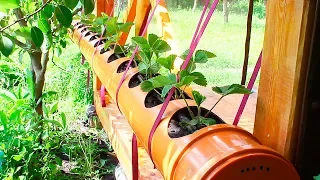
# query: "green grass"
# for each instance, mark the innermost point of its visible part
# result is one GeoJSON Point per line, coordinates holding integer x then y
{"type": "Point", "coordinates": [225, 40]}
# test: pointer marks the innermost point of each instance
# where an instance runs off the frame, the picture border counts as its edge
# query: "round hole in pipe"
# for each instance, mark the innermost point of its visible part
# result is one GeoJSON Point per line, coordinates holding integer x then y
{"type": "Point", "coordinates": [124, 65]}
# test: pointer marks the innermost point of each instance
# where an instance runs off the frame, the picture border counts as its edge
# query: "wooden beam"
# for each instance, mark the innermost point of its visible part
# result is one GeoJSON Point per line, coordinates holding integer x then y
{"type": "Point", "coordinates": [283, 74]}
{"type": "Point", "coordinates": [104, 6]}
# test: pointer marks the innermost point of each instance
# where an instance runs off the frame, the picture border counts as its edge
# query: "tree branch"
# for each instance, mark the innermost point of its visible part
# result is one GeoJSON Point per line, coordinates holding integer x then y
{"type": "Point", "coordinates": [45, 60]}
{"type": "Point", "coordinates": [23, 20]}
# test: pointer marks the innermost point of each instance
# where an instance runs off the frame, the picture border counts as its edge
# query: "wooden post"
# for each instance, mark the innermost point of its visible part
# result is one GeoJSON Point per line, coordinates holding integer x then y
{"type": "Point", "coordinates": [142, 13]}
{"type": "Point", "coordinates": [283, 74]}
{"type": "Point", "coordinates": [129, 17]}
{"type": "Point", "coordinates": [104, 6]}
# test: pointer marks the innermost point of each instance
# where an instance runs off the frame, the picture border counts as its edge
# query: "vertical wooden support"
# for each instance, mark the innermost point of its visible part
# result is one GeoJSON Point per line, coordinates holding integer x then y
{"type": "Point", "coordinates": [142, 12]}
{"type": "Point", "coordinates": [128, 17]}
{"type": "Point", "coordinates": [165, 26]}
{"type": "Point", "coordinates": [104, 6]}
{"type": "Point", "coordinates": [107, 7]}
{"type": "Point", "coordinates": [283, 74]}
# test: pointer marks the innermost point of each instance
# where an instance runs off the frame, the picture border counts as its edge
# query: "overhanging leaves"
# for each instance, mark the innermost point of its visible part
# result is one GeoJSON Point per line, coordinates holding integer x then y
{"type": "Point", "coordinates": [9, 4]}
{"type": "Point", "coordinates": [88, 6]}
{"type": "Point", "coordinates": [71, 3]}
{"type": "Point", "coordinates": [37, 36]}
{"type": "Point", "coordinates": [63, 15]}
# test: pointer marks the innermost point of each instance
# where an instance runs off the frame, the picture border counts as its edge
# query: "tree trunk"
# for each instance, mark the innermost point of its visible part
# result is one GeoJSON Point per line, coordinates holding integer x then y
{"type": "Point", "coordinates": [225, 11]}
{"type": "Point", "coordinates": [195, 3]}
{"type": "Point", "coordinates": [38, 67]}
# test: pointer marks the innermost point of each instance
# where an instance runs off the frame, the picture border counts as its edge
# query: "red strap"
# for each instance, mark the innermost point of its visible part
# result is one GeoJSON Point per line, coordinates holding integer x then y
{"type": "Point", "coordinates": [102, 96]}
{"type": "Point", "coordinates": [250, 86]}
{"type": "Point", "coordinates": [135, 158]}
{"type": "Point", "coordinates": [184, 65]}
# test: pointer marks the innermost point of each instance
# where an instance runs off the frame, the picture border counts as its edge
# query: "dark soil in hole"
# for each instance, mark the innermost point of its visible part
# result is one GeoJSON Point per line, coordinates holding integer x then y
{"type": "Point", "coordinates": [176, 131]}
{"type": "Point", "coordinates": [84, 29]}
{"type": "Point", "coordinates": [154, 98]}
{"type": "Point", "coordinates": [136, 80]}
{"type": "Point", "coordinates": [93, 38]}
{"type": "Point", "coordinates": [87, 34]}
{"type": "Point", "coordinates": [81, 26]}
{"type": "Point", "coordinates": [102, 41]}
{"type": "Point", "coordinates": [124, 65]}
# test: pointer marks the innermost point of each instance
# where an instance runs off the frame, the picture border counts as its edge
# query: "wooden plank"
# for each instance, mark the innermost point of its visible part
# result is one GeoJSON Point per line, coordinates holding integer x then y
{"type": "Point", "coordinates": [119, 134]}
{"type": "Point", "coordinates": [104, 6]}
{"type": "Point", "coordinates": [283, 74]}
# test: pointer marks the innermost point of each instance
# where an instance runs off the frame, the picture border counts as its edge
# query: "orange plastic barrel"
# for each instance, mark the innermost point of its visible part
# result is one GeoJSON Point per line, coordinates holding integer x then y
{"type": "Point", "coordinates": [217, 152]}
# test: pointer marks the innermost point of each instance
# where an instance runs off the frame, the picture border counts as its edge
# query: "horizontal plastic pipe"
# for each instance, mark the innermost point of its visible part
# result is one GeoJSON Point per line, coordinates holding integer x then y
{"type": "Point", "coordinates": [220, 151]}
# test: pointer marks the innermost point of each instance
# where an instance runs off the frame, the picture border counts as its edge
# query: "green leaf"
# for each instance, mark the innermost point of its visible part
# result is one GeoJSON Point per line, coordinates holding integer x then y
{"type": "Point", "coordinates": [3, 119]}
{"type": "Point", "coordinates": [15, 115]}
{"type": "Point", "coordinates": [44, 26]}
{"type": "Point", "coordinates": [231, 89]}
{"type": "Point", "coordinates": [125, 27]}
{"type": "Point", "coordinates": [54, 108]}
{"type": "Point", "coordinates": [152, 38]}
{"type": "Point", "coordinates": [6, 46]}
{"type": "Point", "coordinates": [154, 67]}
{"type": "Point", "coordinates": [48, 94]}
{"type": "Point", "coordinates": [146, 86]}
{"type": "Point", "coordinates": [161, 81]}
{"type": "Point", "coordinates": [142, 67]}
{"type": "Point", "coordinates": [7, 95]}
{"type": "Point", "coordinates": [9, 4]}
{"type": "Point", "coordinates": [185, 54]}
{"type": "Point", "coordinates": [185, 78]}
{"type": "Point", "coordinates": [47, 11]}
{"type": "Point", "coordinates": [166, 89]}
{"type": "Point", "coordinates": [24, 32]}
{"type": "Point", "coordinates": [161, 46]}
{"type": "Point", "coordinates": [141, 42]}
{"type": "Point", "coordinates": [63, 15]}
{"type": "Point", "coordinates": [199, 98]}
{"type": "Point", "coordinates": [167, 62]}
{"type": "Point", "coordinates": [207, 121]}
{"type": "Point", "coordinates": [316, 177]}
{"type": "Point", "coordinates": [145, 56]}
{"type": "Point", "coordinates": [88, 6]}
{"type": "Point", "coordinates": [37, 36]}
{"type": "Point", "coordinates": [193, 122]}
{"type": "Point", "coordinates": [53, 122]}
{"type": "Point", "coordinates": [209, 54]}
{"type": "Point", "coordinates": [63, 120]}
{"type": "Point", "coordinates": [200, 57]}
{"type": "Point", "coordinates": [201, 79]}
{"type": "Point", "coordinates": [21, 155]}
{"type": "Point", "coordinates": [71, 3]}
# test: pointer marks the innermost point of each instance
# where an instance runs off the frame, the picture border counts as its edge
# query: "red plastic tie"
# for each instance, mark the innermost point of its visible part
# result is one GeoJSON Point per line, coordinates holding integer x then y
{"type": "Point", "coordinates": [135, 158]}
{"type": "Point", "coordinates": [250, 86]}
{"type": "Point", "coordinates": [102, 96]}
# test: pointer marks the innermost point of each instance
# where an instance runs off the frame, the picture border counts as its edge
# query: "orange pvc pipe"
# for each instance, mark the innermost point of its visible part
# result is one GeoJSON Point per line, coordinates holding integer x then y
{"type": "Point", "coordinates": [217, 152]}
